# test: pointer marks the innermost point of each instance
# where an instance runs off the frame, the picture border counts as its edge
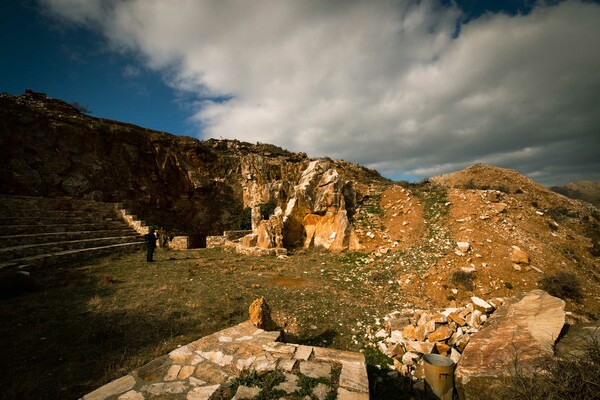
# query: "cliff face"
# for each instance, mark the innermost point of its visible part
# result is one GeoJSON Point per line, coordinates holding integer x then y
{"type": "Point", "coordinates": [48, 148]}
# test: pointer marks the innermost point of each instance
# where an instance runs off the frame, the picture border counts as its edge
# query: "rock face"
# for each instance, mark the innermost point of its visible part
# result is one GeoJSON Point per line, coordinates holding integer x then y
{"type": "Point", "coordinates": [317, 215]}
{"type": "Point", "coordinates": [190, 187]}
{"type": "Point", "coordinates": [523, 331]}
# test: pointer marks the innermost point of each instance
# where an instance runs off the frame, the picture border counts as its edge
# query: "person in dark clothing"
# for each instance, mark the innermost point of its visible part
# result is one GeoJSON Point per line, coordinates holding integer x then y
{"type": "Point", "coordinates": [150, 239]}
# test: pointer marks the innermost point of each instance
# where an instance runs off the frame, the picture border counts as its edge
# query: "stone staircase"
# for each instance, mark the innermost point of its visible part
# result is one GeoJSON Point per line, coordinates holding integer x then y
{"type": "Point", "coordinates": [36, 231]}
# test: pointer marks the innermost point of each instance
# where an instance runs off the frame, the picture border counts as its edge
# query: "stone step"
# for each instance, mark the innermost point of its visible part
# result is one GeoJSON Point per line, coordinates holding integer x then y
{"type": "Point", "coordinates": [15, 252]}
{"type": "Point", "coordinates": [51, 203]}
{"type": "Point", "coordinates": [54, 220]}
{"type": "Point", "coordinates": [65, 227]}
{"type": "Point", "coordinates": [36, 212]}
{"type": "Point", "coordinates": [71, 256]}
{"type": "Point", "coordinates": [26, 239]}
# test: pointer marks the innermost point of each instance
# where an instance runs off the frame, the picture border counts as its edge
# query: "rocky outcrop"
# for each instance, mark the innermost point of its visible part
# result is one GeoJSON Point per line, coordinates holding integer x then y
{"type": "Point", "coordinates": [317, 214]}
{"type": "Point", "coordinates": [520, 333]}
{"type": "Point", "coordinates": [191, 187]}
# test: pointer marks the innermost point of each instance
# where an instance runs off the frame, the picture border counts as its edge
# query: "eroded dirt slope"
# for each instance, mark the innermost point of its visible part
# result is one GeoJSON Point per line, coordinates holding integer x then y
{"type": "Point", "coordinates": [411, 235]}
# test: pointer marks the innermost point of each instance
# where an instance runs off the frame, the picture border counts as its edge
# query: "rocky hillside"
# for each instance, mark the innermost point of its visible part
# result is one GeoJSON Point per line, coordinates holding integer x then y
{"type": "Point", "coordinates": [582, 190]}
{"type": "Point", "coordinates": [483, 231]}
{"type": "Point", "coordinates": [49, 148]}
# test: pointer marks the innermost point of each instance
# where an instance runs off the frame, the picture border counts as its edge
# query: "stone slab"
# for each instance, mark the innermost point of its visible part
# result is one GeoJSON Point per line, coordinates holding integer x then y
{"type": "Point", "coordinates": [113, 388]}
{"type": "Point", "coordinates": [354, 376]}
{"type": "Point", "coordinates": [195, 371]}
{"type": "Point", "coordinates": [523, 331]}
{"type": "Point", "coordinates": [345, 394]}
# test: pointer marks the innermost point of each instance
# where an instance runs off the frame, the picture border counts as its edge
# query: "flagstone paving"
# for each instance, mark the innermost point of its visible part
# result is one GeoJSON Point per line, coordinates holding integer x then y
{"type": "Point", "coordinates": [198, 370]}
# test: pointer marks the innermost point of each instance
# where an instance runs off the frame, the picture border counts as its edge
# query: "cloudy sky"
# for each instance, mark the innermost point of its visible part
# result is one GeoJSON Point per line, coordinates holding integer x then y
{"type": "Point", "coordinates": [411, 88]}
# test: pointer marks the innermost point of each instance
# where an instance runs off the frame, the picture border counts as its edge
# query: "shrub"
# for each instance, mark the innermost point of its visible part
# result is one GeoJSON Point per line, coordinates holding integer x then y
{"type": "Point", "coordinates": [562, 284]}
{"type": "Point", "coordinates": [508, 285]}
{"type": "Point", "coordinates": [81, 107]}
{"type": "Point", "coordinates": [465, 279]}
{"type": "Point", "coordinates": [555, 378]}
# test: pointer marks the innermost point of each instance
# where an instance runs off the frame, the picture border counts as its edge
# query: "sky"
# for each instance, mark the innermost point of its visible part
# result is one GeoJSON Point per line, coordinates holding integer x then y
{"type": "Point", "coordinates": [411, 88]}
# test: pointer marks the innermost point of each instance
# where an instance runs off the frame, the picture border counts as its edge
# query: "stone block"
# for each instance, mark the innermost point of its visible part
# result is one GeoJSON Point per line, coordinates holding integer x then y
{"type": "Point", "coordinates": [522, 331]}
{"type": "Point", "coordinates": [180, 243]}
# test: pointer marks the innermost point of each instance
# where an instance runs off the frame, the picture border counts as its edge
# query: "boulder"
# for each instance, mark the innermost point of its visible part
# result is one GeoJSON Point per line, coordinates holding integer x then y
{"type": "Point", "coordinates": [419, 347]}
{"type": "Point", "coordinates": [578, 338]}
{"type": "Point", "coordinates": [522, 331]}
{"type": "Point", "coordinates": [481, 304]}
{"type": "Point", "coordinates": [260, 314]}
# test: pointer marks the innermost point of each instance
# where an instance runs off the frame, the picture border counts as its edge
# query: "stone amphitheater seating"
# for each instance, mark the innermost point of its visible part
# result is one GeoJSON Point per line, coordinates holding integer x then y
{"type": "Point", "coordinates": [37, 231]}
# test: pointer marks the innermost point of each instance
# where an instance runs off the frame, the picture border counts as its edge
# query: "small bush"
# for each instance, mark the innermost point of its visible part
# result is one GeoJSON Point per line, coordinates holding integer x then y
{"type": "Point", "coordinates": [470, 185]}
{"type": "Point", "coordinates": [554, 379]}
{"type": "Point", "coordinates": [464, 279]}
{"type": "Point", "coordinates": [81, 107]}
{"type": "Point", "coordinates": [508, 285]}
{"type": "Point", "coordinates": [562, 284]}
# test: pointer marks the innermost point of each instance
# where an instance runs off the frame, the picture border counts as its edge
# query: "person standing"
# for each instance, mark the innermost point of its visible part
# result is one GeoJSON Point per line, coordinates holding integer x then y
{"type": "Point", "coordinates": [150, 239]}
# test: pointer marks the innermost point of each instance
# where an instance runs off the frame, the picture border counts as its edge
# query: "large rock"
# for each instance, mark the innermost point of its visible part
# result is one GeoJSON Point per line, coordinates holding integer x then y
{"type": "Point", "coordinates": [260, 314]}
{"type": "Point", "coordinates": [269, 233]}
{"type": "Point", "coordinates": [316, 215]}
{"type": "Point", "coordinates": [578, 339]}
{"type": "Point", "coordinates": [522, 331]}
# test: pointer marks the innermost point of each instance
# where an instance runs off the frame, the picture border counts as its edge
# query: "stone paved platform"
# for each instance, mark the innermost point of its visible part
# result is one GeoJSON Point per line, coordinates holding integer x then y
{"type": "Point", "coordinates": [197, 370]}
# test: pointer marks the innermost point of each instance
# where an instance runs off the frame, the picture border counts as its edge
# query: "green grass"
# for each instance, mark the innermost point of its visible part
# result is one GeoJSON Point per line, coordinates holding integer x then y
{"type": "Point", "coordinates": [87, 325]}
{"type": "Point", "coordinates": [266, 383]}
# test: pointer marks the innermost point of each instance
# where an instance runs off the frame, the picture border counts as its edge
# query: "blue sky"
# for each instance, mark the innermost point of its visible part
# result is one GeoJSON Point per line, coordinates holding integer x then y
{"type": "Point", "coordinates": [411, 88]}
{"type": "Point", "coordinates": [75, 64]}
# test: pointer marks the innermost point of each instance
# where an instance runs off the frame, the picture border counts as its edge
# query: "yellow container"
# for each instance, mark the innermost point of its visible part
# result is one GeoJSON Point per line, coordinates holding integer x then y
{"type": "Point", "coordinates": [439, 377]}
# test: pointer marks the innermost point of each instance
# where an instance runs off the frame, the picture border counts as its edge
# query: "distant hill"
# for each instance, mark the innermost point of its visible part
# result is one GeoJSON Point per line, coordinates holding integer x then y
{"type": "Point", "coordinates": [581, 190]}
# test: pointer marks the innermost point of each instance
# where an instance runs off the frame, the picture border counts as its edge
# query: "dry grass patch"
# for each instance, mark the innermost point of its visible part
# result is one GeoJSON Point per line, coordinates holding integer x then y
{"type": "Point", "coordinates": [90, 324]}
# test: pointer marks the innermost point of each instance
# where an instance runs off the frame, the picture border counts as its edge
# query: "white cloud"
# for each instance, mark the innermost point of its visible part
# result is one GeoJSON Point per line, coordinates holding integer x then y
{"type": "Point", "coordinates": [382, 83]}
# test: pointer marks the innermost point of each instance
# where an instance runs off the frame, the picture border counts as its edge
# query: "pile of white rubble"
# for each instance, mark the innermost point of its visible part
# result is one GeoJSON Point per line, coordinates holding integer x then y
{"type": "Point", "coordinates": [409, 334]}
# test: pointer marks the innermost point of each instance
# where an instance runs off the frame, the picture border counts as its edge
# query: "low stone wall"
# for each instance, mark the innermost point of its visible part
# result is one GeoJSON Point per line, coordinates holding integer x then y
{"type": "Point", "coordinates": [180, 243]}
{"type": "Point", "coordinates": [215, 242]}
{"type": "Point", "coordinates": [200, 369]}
